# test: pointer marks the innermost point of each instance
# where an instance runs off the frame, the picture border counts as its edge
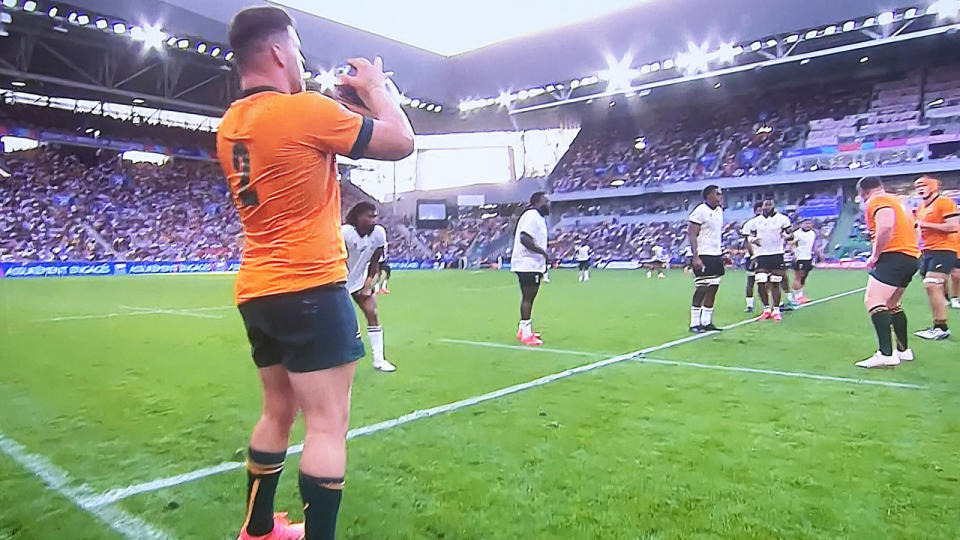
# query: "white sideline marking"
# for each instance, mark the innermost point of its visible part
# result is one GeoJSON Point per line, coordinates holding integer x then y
{"type": "Point", "coordinates": [800, 374]}
{"type": "Point", "coordinates": [101, 316]}
{"type": "Point", "coordinates": [57, 480]}
{"type": "Point", "coordinates": [135, 311]}
{"type": "Point", "coordinates": [521, 347]}
{"type": "Point", "coordinates": [644, 359]}
{"type": "Point", "coordinates": [117, 494]}
{"type": "Point", "coordinates": [484, 289]}
{"type": "Point", "coordinates": [184, 312]}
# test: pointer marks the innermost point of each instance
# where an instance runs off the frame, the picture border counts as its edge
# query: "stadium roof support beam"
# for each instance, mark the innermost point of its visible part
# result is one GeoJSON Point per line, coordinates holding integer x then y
{"type": "Point", "coordinates": [177, 103]}
{"type": "Point", "coordinates": [90, 64]}
{"type": "Point", "coordinates": [25, 49]}
{"type": "Point", "coordinates": [69, 63]}
{"type": "Point", "coordinates": [202, 83]}
{"type": "Point", "coordinates": [136, 75]}
{"type": "Point", "coordinates": [3, 62]}
{"type": "Point", "coordinates": [896, 37]}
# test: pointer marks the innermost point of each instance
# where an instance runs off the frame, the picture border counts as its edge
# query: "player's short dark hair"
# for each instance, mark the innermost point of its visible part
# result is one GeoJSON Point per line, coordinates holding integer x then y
{"type": "Point", "coordinates": [869, 183]}
{"type": "Point", "coordinates": [361, 207]}
{"type": "Point", "coordinates": [709, 190]}
{"type": "Point", "coordinates": [536, 197]}
{"type": "Point", "coordinates": [768, 196]}
{"type": "Point", "coordinates": [250, 27]}
{"type": "Point", "coordinates": [757, 205]}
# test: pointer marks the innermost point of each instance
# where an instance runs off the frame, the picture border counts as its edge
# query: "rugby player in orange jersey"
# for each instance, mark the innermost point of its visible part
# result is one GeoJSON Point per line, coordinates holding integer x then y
{"type": "Point", "coordinates": [955, 274]}
{"type": "Point", "coordinates": [892, 265]}
{"type": "Point", "coordinates": [277, 146]}
{"type": "Point", "coordinates": [937, 219]}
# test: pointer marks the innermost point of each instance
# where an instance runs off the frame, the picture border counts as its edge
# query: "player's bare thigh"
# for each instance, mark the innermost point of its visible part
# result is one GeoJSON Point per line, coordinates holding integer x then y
{"type": "Point", "coordinates": [324, 396]}
{"type": "Point", "coordinates": [881, 294]}
{"type": "Point", "coordinates": [278, 398]}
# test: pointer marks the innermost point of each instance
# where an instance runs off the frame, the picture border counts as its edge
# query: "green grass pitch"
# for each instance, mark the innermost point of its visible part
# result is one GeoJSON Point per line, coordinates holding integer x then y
{"type": "Point", "coordinates": [141, 378]}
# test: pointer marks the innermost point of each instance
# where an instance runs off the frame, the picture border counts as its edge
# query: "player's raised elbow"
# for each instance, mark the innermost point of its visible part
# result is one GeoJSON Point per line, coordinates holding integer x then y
{"type": "Point", "coordinates": [389, 142]}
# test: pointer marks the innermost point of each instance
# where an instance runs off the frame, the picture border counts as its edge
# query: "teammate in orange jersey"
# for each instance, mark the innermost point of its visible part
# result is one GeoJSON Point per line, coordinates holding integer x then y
{"type": "Point", "coordinates": [277, 146]}
{"type": "Point", "coordinates": [937, 219]}
{"type": "Point", "coordinates": [892, 265]}
{"type": "Point", "coordinates": [955, 275]}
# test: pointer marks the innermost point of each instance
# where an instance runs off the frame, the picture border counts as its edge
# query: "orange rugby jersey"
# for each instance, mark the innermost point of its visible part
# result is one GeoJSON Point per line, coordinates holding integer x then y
{"type": "Point", "coordinates": [938, 211]}
{"type": "Point", "coordinates": [278, 153]}
{"type": "Point", "coordinates": [956, 243]}
{"type": "Point", "coordinates": [904, 238]}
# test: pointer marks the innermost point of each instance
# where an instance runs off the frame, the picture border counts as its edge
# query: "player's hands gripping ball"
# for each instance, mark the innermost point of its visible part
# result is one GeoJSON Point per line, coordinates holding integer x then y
{"type": "Point", "coordinates": [358, 79]}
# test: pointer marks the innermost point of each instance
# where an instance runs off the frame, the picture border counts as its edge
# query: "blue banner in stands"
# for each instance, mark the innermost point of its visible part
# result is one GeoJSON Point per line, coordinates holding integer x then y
{"type": "Point", "coordinates": [410, 264]}
{"type": "Point", "coordinates": [109, 268]}
{"type": "Point", "coordinates": [55, 269]}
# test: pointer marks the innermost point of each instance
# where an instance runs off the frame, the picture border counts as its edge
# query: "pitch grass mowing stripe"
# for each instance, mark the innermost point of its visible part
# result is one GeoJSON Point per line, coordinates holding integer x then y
{"type": "Point", "coordinates": [117, 494]}
{"type": "Point", "coordinates": [57, 480]}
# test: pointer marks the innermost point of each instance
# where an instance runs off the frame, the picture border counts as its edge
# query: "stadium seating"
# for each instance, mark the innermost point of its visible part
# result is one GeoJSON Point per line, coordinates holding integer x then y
{"type": "Point", "coordinates": [905, 118]}
{"type": "Point", "coordinates": [58, 208]}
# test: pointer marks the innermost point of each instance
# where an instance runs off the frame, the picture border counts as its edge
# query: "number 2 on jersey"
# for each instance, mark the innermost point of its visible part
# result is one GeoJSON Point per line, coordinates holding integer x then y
{"type": "Point", "coordinates": [241, 163]}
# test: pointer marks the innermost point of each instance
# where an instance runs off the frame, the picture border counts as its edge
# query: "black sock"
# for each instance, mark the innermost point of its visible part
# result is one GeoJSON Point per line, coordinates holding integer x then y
{"type": "Point", "coordinates": [899, 320]}
{"type": "Point", "coordinates": [263, 474]}
{"type": "Point", "coordinates": [941, 325]}
{"type": "Point", "coordinates": [320, 506]}
{"type": "Point", "coordinates": [881, 323]}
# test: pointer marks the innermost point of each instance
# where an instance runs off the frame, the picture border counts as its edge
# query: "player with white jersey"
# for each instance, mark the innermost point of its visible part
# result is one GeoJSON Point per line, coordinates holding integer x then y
{"type": "Point", "coordinates": [749, 262]}
{"type": "Point", "coordinates": [705, 232]}
{"type": "Point", "coordinates": [805, 247]}
{"type": "Point", "coordinates": [365, 241]}
{"type": "Point", "coordinates": [582, 255]}
{"type": "Point", "coordinates": [658, 259]}
{"type": "Point", "coordinates": [383, 276]}
{"type": "Point", "coordinates": [529, 261]}
{"type": "Point", "coordinates": [768, 234]}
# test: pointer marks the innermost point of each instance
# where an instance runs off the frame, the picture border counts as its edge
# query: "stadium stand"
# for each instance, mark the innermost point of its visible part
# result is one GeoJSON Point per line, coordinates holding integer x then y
{"type": "Point", "coordinates": [66, 204]}
{"type": "Point", "coordinates": [57, 207]}
{"type": "Point", "coordinates": [908, 119]}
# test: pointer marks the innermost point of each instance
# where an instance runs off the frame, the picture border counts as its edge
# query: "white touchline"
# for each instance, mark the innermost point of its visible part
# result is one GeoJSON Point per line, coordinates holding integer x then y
{"type": "Point", "coordinates": [486, 289]}
{"type": "Point", "coordinates": [184, 312]}
{"type": "Point", "coordinates": [117, 494]}
{"type": "Point", "coordinates": [531, 349]}
{"type": "Point", "coordinates": [799, 374]}
{"type": "Point", "coordinates": [57, 480]}
{"type": "Point", "coordinates": [100, 316]}
{"type": "Point", "coordinates": [135, 311]}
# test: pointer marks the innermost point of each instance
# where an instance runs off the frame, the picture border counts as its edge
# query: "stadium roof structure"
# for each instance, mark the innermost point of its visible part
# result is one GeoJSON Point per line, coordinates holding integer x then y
{"type": "Point", "coordinates": [173, 53]}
